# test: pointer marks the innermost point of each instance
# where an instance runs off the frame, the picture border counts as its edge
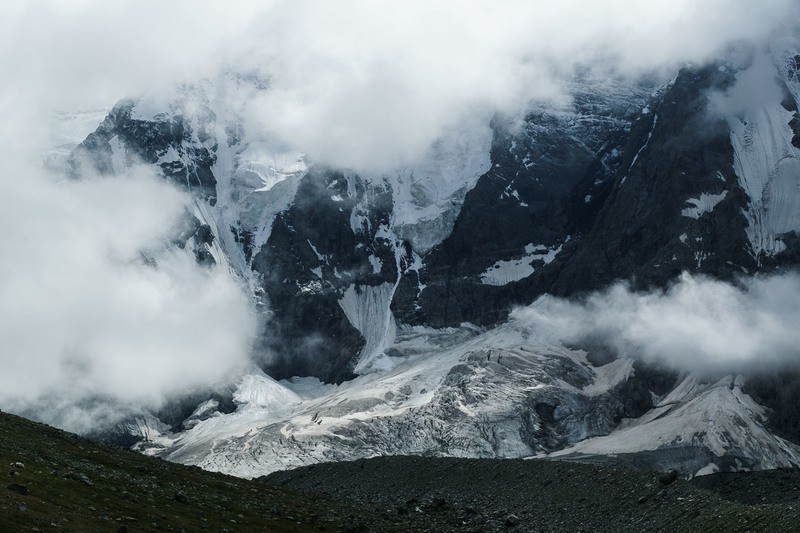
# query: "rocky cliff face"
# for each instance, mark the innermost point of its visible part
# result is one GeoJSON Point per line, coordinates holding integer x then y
{"type": "Point", "coordinates": [645, 196]}
{"type": "Point", "coordinates": [623, 183]}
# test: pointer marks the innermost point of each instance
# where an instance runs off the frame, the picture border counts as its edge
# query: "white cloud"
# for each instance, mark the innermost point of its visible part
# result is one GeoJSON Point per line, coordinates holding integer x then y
{"type": "Point", "coordinates": [696, 324]}
{"type": "Point", "coordinates": [361, 84]}
{"type": "Point", "coordinates": [368, 84]}
{"type": "Point", "coordinates": [81, 315]}
{"type": "Point", "coordinates": [756, 86]}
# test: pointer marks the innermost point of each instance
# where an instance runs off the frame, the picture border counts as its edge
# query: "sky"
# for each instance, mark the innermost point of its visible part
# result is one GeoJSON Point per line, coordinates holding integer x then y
{"type": "Point", "coordinates": [362, 85]}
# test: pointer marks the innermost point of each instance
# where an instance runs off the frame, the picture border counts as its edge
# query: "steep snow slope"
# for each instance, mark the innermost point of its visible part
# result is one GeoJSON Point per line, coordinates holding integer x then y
{"type": "Point", "coordinates": [368, 309]}
{"type": "Point", "coordinates": [427, 194]}
{"type": "Point", "coordinates": [767, 162]}
{"type": "Point", "coordinates": [716, 416]}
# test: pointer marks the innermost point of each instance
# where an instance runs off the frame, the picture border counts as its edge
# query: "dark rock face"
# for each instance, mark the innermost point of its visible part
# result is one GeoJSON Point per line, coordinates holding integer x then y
{"type": "Point", "coordinates": [312, 256]}
{"type": "Point", "coordinates": [534, 194]}
{"type": "Point", "coordinates": [620, 209]}
{"type": "Point", "coordinates": [616, 206]}
{"type": "Point", "coordinates": [675, 152]}
{"type": "Point", "coordinates": [779, 391]}
{"type": "Point", "coordinates": [637, 393]}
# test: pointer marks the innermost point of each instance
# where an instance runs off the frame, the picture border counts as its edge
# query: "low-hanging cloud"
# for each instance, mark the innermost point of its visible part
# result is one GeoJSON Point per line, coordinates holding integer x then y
{"type": "Point", "coordinates": [697, 324]}
{"type": "Point", "coordinates": [755, 87]}
{"type": "Point", "coordinates": [364, 84]}
{"type": "Point", "coordinates": [368, 85]}
{"type": "Point", "coordinates": [83, 315]}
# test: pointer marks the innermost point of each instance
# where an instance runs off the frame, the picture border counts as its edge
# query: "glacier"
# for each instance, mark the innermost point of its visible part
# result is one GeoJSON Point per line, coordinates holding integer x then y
{"type": "Point", "coordinates": [467, 392]}
{"type": "Point", "coordinates": [767, 164]}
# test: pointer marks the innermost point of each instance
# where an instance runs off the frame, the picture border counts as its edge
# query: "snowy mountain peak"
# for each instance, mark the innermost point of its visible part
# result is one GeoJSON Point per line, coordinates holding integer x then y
{"type": "Point", "coordinates": [387, 300]}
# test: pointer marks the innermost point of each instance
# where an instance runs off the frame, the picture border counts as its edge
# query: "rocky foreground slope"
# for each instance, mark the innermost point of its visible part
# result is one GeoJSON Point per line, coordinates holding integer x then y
{"type": "Point", "coordinates": [56, 481]}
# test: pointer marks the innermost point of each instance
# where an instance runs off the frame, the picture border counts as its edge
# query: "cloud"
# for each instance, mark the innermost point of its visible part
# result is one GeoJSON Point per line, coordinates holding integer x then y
{"type": "Point", "coordinates": [362, 84]}
{"type": "Point", "coordinates": [81, 313]}
{"type": "Point", "coordinates": [695, 324]}
{"type": "Point", "coordinates": [88, 331]}
{"type": "Point", "coordinates": [756, 86]}
{"type": "Point", "coordinates": [368, 85]}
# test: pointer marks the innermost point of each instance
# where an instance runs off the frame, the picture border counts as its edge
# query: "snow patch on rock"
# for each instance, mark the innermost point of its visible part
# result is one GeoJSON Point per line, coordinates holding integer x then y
{"type": "Point", "coordinates": [505, 272]}
{"type": "Point", "coordinates": [704, 204]}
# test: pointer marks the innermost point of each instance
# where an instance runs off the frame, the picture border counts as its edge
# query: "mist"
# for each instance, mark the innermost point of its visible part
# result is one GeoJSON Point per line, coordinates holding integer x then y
{"type": "Point", "coordinates": [371, 85]}
{"type": "Point", "coordinates": [83, 315]}
{"type": "Point", "coordinates": [697, 324]}
{"type": "Point", "coordinates": [364, 85]}
{"type": "Point", "coordinates": [90, 332]}
{"type": "Point", "coordinates": [755, 87]}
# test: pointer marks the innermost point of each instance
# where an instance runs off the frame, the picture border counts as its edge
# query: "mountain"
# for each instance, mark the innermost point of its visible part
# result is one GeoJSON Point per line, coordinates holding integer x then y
{"type": "Point", "coordinates": [387, 300]}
